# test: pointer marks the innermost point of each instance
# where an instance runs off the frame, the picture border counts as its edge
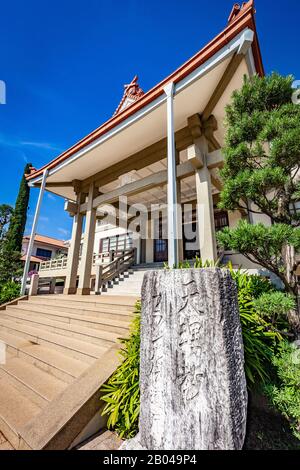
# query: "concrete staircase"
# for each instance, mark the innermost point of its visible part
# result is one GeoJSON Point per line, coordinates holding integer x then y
{"type": "Point", "coordinates": [131, 283]}
{"type": "Point", "coordinates": [59, 350]}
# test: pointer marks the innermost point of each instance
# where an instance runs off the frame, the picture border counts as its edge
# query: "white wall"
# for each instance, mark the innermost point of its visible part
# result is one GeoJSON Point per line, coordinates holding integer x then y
{"type": "Point", "coordinates": [104, 231]}
{"type": "Point", "coordinates": [43, 246]}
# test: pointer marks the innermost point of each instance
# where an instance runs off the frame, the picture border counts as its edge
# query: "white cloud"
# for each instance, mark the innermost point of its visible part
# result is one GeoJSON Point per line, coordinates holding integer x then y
{"type": "Point", "coordinates": [18, 144]}
{"type": "Point", "coordinates": [40, 145]}
{"type": "Point", "coordinates": [64, 231]}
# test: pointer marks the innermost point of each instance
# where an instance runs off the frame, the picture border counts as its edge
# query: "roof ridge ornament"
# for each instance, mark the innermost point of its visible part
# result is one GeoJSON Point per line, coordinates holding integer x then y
{"type": "Point", "coordinates": [132, 92]}
{"type": "Point", "coordinates": [237, 9]}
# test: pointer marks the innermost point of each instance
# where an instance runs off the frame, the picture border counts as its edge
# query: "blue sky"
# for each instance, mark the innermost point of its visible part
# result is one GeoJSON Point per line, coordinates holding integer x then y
{"type": "Point", "coordinates": [65, 62]}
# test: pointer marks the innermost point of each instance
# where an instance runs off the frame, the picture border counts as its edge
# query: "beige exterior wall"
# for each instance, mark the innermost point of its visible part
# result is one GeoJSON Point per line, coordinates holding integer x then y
{"type": "Point", "coordinates": [43, 246]}
{"type": "Point", "coordinates": [234, 218]}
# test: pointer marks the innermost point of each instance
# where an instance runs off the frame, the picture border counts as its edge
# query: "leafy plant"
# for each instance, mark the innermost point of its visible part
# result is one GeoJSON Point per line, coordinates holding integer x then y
{"type": "Point", "coordinates": [197, 264]}
{"type": "Point", "coordinates": [274, 306]}
{"type": "Point", "coordinates": [9, 291]}
{"type": "Point", "coordinates": [121, 392]}
{"type": "Point", "coordinates": [260, 338]}
{"type": "Point", "coordinates": [285, 395]}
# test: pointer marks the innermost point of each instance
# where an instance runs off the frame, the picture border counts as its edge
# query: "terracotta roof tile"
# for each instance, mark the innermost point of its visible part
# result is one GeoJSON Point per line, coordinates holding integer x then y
{"type": "Point", "coordinates": [47, 240]}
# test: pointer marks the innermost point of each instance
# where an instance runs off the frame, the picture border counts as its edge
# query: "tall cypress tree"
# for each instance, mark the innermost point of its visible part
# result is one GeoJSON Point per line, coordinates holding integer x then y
{"type": "Point", "coordinates": [18, 221]}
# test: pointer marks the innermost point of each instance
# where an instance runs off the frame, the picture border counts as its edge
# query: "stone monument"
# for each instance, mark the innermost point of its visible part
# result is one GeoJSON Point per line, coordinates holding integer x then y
{"type": "Point", "coordinates": [192, 380]}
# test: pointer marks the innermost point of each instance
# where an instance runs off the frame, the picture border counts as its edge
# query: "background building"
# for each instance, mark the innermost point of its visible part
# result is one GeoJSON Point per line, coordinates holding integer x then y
{"type": "Point", "coordinates": [44, 249]}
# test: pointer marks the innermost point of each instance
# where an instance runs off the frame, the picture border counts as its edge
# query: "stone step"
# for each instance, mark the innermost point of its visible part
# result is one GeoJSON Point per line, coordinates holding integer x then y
{"type": "Point", "coordinates": [15, 411]}
{"type": "Point", "coordinates": [104, 313]}
{"type": "Point", "coordinates": [98, 337]}
{"type": "Point", "coordinates": [131, 289]}
{"type": "Point", "coordinates": [110, 311]}
{"type": "Point", "coordinates": [72, 347]}
{"type": "Point", "coordinates": [130, 283]}
{"type": "Point", "coordinates": [53, 353]}
{"type": "Point", "coordinates": [148, 266]}
{"type": "Point", "coordinates": [121, 291]}
{"type": "Point", "coordinates": [102, 323]}
{"type": "Point", "coordinates": [4, 444]}
{"type": "Point", "coordinates": [92, 301]}
{"type": "Point", "coordinates": [37, 385]}
{"type": "Point", "coordinates": [55, 363]}
{"type": "Point", "coordinates": [107, 440]}
{"type": "Point", "coordinates": [118, 289]}
{"type": "Point", "coordinates": [96, 307]}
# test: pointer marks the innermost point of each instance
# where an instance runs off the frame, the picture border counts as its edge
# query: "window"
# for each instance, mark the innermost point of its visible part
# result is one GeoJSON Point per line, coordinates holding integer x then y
{"type": "Point", "coordinates": [221, 220]}
{"type": "Point", "coordinates": [43, 253]}
{"type": "Point", "coordinates": [116, 243]}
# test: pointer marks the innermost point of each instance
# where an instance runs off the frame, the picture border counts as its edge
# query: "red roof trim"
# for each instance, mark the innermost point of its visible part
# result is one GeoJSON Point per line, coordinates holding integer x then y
{"type": "Point", "coordinates": [244, 19]}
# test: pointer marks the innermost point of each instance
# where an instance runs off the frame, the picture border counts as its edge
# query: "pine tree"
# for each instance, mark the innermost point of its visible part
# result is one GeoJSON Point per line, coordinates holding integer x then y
{"type": "Point", "coordinates": [261, 175]}
{"type": "Point", "coordinates": [18, 220]}
{"type": "Point", "coordinates": [11, 246]}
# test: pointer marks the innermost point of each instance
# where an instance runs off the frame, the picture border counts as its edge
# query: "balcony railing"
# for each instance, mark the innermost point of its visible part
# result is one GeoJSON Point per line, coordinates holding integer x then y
{"type": "Point", "coordinates": [98, 258]}
{"type": "Point", "coordinates": [54, 264]}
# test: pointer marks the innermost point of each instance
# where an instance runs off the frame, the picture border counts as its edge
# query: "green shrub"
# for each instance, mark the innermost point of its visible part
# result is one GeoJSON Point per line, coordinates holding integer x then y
{"type": "Point", "coordinates": [9, 291]}
{"type": "Point", "coordinates": [197, 264]}
{"type": "Point", "coordinates": [285, 395]}
{"type": "Point", "coordinates": [259, 336]}
{"type": "Point", "coordinates": [122, 392]}
{"type": "Point", "coordinates": [274, 306]}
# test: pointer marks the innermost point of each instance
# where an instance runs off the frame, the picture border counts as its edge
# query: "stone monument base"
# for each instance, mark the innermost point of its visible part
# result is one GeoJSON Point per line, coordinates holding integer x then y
{"type": "Point", "coordinates": [192, 379]}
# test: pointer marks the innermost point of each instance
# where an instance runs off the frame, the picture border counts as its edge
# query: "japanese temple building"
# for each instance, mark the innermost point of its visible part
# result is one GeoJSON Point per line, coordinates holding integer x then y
{"type": "Point", "coordinates": [159, 152]}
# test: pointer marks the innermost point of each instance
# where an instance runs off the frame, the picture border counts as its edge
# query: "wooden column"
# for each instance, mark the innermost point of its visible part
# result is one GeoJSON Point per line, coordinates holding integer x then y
{"type": "Point", "coordinates": [149, 255]}
{"type": "Point", "coordinates": [74, 250]}
{"type": "Point", "coordinates": [85, 268]}
{"type": "Point", "coordinates": [179, 215]}
{"type": "Point", "coordinates": [205, 208]}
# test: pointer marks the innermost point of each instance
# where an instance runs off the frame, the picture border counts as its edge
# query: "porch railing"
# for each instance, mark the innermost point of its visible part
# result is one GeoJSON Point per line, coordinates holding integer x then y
{"type": "Point", "coordinates": [106, 273]}
{"type": "Point", "coordinates": [104, 258]}
{"type": "Point", "coordinates": [54, 264]}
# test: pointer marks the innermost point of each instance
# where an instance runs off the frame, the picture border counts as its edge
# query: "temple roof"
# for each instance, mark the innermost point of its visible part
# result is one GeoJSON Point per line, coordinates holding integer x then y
{"type": "Point", "coordinates": [135, 102]}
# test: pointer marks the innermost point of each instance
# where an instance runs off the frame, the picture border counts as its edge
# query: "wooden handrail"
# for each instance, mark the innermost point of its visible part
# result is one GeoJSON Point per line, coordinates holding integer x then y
{"type": "Point", "coordinates": [110, 271]}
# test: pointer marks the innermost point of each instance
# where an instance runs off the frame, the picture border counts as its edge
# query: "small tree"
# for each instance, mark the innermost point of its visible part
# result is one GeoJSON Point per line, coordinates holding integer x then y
{"type": "Point", "coordinates": [18, 220]}
{"type": "Point", "coordinates": [261, 175]}
{"type": "Point", "coordinates": [11, 246]}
